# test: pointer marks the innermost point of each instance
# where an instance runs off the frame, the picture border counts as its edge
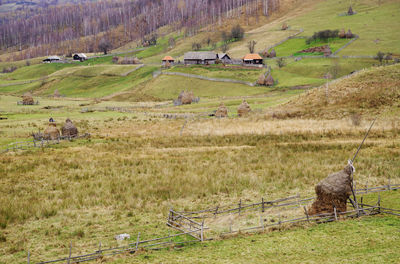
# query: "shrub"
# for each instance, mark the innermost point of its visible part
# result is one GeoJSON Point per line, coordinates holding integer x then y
{"type": "Point", "coordinates": [323, 35]}
{"type": "Point", "coordinates": [379, 56]}
{"type": "Point", "coordinates": [237, 32]}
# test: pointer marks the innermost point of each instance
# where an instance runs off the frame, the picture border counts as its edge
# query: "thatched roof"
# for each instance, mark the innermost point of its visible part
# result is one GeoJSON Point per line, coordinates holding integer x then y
{"type": "Point", "coordinates": [200, 55]}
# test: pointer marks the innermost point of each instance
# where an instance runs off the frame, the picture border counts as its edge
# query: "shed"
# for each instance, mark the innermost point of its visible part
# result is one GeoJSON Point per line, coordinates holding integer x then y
{"type": "Point", "coordinates": [224, 57]}
{"type": "Point", "coordinates": [51, 59]}
{"type": "Point", "coordinates": [252, 58]}
{"type": "Point", "coordinates": [201, 57]}
{"type": "Point", "coordinates": [168, 59]}
{"type": "Point", "coordinates": [80, 57]}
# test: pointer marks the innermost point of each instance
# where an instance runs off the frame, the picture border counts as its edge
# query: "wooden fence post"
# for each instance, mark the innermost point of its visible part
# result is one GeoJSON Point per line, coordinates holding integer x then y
{"type": "Point", "coordinates": [240, 205]}
{"type": "Point", "coordinates": [137, 241]}
{"type": "Point", "coordinates": [70, 252]}
{"type": "Point", "coordinates": [263, 206]}
{"type": "Point", "coordinates": [202, 231]}
{"type": "Point", "coordinates": [216, 212]}
{"type": "Point", "coordinates": [379, 203]}
{"type": "Point", "coordinates": [305, 210]}
{"type": "Point", "coordinates": [334, 210]}
{"type": "Point", "coordinates": [100, 247]}
{"type": "Point", "coordinates": [389, 184]}
{"type": "Point", "coordinates": [29, 256]}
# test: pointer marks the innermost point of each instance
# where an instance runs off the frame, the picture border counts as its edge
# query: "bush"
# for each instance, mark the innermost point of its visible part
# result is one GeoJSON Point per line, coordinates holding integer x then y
{"type": "Point", "coordinates": [237, 32]}
{"type": "Point", "coordinates": [323, 35]}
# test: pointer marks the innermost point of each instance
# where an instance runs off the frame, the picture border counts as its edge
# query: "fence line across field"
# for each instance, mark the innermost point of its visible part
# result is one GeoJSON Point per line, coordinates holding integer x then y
{"type": "Point", "coordinates": [186, 223]}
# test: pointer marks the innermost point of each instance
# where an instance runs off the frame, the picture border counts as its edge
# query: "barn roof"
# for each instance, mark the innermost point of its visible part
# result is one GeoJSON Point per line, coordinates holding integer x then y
{"type": "Point", "coordinates": [203, 55]}
{"type": "Point", "coordinates": [252, 56]}
{"type": "Point", "coordinates": [53, 58]}
{"type": "Point", "coordinates": [168, 58]}
{"type": "Point", "coordinates": [82, 55]}
{"type": "Point", "coordinates": [221, 55]}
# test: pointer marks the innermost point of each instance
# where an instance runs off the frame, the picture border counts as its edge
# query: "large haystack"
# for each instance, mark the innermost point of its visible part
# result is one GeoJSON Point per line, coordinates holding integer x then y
{"type": "Point", "coordinates": [186, 97]}
{"type": "Point", "coordinates": [272, 54]}
{"type": "Point", "coordinates": [244, 109]}
{"type": "Point", "coordinates": [27, 99]}
{"type": "Point", "coordinates": [342, 33]}
{"type": "Point", "coordinates": [333, 191]}
{"type": "Point", "coordinates": [261, 80]}
{"type": "Point", "coordinates": [51, 132]}
{"type": "Point", "coordinates": [285, 26]}
{"type": "Point", "coordinates": [350, 12]}
{"type": "Point", "coordinates": [349, 34]}
{"type": "Point", "coordinates": [69, 129]}
{"type": "Point", "coordinates": [56, 94]}
{"type": "Point", "coordinates": [269, 81]}
{"type": "Point", "coordinates": [222, 111]}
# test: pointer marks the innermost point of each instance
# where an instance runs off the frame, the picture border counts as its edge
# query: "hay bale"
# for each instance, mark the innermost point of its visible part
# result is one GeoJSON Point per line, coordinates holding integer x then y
{"type": "Point", "coordinates": [27, 99]}
{"type": "Point", "coordinates": [244, 109]}
{"type": "Point", "coordinates": [222, 111]}
{"type": "Point", "coordinates": [272, 54]}
{"type": "Point", "coordinates": [269, 81]}
{"type": "Point", "coordinates": [333, 191]}
{"type": "Point", "coordinates": [261, 80]}
{"type": "Point", "coordinates": [57, 94]}
{"type": "Point", "coordinates": [342, 33]}
{"type": "Point", "coordinates": [186, 97]}
{"type": "Point", "coordinates": [69, 129]}
{"type": "Point", "coordinates": [285, 26]}
{"type": "Point", "coordinates": [51, 132]}
{"type": "Point", "coordinates": [349, 34]}
{"type": "Point", "coordinates": [350, 12]}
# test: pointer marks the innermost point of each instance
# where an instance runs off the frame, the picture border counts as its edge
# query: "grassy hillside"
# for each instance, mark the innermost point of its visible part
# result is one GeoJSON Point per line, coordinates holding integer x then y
{"type": "Point", "coordinates": [370, 91]}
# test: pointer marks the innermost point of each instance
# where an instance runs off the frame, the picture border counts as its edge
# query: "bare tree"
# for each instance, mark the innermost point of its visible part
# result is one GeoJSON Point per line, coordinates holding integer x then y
{"type": "Point", "coordinates": [104, 46]}
{"type": "Point", "coordinates": [251, 45]}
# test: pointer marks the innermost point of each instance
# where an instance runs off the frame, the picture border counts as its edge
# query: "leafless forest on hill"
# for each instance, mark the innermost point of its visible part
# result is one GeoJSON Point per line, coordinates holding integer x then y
{"type": "Point", "coordinates": [65, 27]}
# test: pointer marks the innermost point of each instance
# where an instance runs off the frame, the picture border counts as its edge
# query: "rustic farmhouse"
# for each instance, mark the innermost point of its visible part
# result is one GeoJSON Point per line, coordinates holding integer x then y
{"type": "Point", "coordinates": [224, 57]}
{"type": "Point", "coordinates": [203, 57]}
{"type": "Point", "coordinates": [167, 60]}
{"type": "Point", "coordinates": [52, 59]}
{"type": "Point", "coordinates": [252, 59]}
{"type": "Point", "coordinates": [80, 57]}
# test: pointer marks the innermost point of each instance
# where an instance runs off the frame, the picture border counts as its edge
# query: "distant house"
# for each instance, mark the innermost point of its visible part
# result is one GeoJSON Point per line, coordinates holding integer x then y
{"type": "Point", "coordinates": [52, 59]}
{"type": "Point", "coordinates": [224, 57]}
{"type": "Point", "coordinates": [200, 57]}
{"type": "Point", "coordinates": [80, 57]}
{"type": "Point", "coordinates": [167, 59]}
{"type": "Point", "coordinates": [252, 58]}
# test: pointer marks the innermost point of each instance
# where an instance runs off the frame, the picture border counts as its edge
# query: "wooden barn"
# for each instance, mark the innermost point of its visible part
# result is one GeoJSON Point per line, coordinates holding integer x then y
{"type": "Point", "coordinates": [52, 59]}
{"type": "Point", "coordinates": [252, 58]}
{"type": "Point", "coordinates": [224, 57]}
{"type": "Point", "coordinates": [168, 59]}
{"type": "Point", "coordinates": [80, 57]}
{"type": "Point", "coordinates": [200, 57]}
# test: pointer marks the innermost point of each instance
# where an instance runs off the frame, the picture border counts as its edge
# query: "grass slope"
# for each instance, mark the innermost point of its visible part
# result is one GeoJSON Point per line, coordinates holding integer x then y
{"type": "Point", "coordinates": [370, 91]}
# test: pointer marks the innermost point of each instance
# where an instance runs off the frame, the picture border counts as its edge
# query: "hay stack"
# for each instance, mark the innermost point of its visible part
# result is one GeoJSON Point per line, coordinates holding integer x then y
{"type": "Point", "coordinates": [244, 109]}
{"type": "Point", "coordinates": [342, 33]}
{"type": "Point", "coordinates": [222, 111]}
{"type": "Point", "coordinates": [69, 129]}
{"type": "Point", "coordinates": [284, 26]}
{"type": "Point", "coordinates": [269, 81]}
{"type": "Point", "coordinates": [333, 191]}
{"type": "Point", "coordinates": [261, 80]}
{"type": "Point", "coordinates": [350, 12]}
{"type": "Point", "coordinates": [272, 54]}
{"type": "Point", "coordinates": [57, 94]}
{"type": "Point", "coordinates": [186, 97]}
{"type": "Point", "coordinates": [51, 132]}
{"type": "Point", "coordinates": [27, 99]}
{"type": "Point", "coordinates": [349, 34]}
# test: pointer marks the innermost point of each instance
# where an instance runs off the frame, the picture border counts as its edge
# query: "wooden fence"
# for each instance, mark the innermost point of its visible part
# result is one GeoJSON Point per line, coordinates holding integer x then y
{"type": "Point", "coordinates": [189, 227]}
{"type": "Point", "coordinates": [32, 144]}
